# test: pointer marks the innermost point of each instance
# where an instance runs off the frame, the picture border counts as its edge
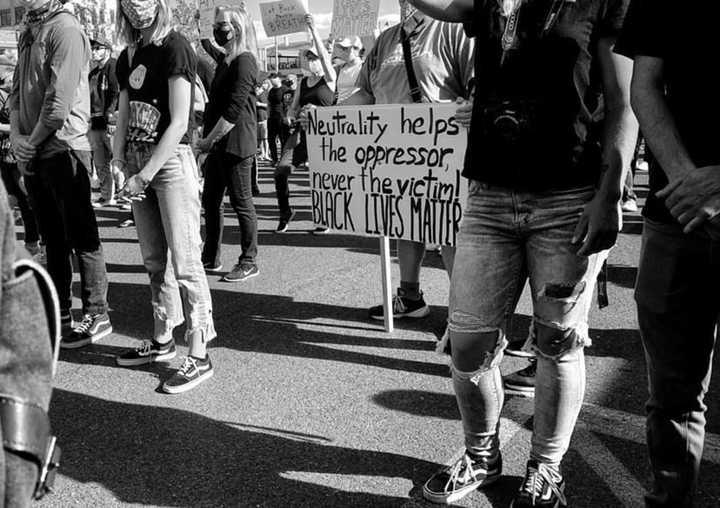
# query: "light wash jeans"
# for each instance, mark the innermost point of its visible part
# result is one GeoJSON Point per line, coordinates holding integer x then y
{"type": "Point", "coordinates": [110, 182]}
{"type": "Point", "coordinates": [168, 227]}
{"type": "Point", "coordinates": [505, 237]}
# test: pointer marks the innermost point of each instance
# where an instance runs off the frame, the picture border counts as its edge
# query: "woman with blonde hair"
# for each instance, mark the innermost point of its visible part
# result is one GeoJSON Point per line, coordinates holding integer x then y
{"type": "Point", "coordinates": [156, 74]}
{"type": "Point", "coordinates": [230, 136]}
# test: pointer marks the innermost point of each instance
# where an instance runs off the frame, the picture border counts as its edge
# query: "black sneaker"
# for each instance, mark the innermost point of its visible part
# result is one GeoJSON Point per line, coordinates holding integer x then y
{"type": "Point", "coordinates": [192, 372]}
{"type": "Point", "coordinates": [148, 352]}
{"type": "Point", "coordinates": [402, 307]}
{"type": "Point", "coordinates": [543, 487]}
{"type": "Point", "coordinates": [92, 328]}
{"type": "Point", "coordinates": [284, 221]}
{"type": "Point", "coordinates": [212, 267]}
{"type": "Point", "coordinates": [241, 272]}
{"type": "Point", "coordinates": [455, 481]}
{"type": "Point", "coordinates": [515, 348]}
{"type": "Point", "coordinates": [522, 382]}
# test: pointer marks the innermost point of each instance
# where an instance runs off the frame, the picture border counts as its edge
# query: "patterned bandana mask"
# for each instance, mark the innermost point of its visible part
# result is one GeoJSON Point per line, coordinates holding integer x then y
{"type": "Point", "coordinates": [140, 13]}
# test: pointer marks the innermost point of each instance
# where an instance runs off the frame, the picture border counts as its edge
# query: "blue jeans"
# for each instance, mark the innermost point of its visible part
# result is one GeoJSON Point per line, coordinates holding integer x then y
{"type": "Point", "coordinates": [505, 237]}
{"type": "Point", "coordinates": [168, 225]}
{"type": "Point", "coordinates": [224, 171]}
{"type": "Point", "coordinates": [677, 317]}
{"type": "Point", "coordinates": [59, 191]}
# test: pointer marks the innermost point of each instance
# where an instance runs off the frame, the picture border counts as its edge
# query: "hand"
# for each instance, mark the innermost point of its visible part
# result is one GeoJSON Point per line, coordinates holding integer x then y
{"type": "Point", "coordinates": [599, 225]}
{"type": "Point", "coordinates": [302, 118]}
{"type": "Point", "coordinates": [118, 167]}
{"type": "Point", "coordinates": [22, 148]}
{"type": "Point", "coordinates": [310, 21]}
{"type": "Point", "coordinates": [203, 144]}
{"type": "Point", "coordinates": [694, 198]}
{"type": "Point", "coordinates": [134, 188]}
{"type": "Point", "coordinates": [463, 114]}
{"type": "Point", "coordinates": [21, 185]}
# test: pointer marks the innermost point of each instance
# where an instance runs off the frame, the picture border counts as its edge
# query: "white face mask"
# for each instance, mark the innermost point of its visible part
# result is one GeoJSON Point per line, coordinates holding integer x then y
{"type": "Point", "coordinates": [315, 67]}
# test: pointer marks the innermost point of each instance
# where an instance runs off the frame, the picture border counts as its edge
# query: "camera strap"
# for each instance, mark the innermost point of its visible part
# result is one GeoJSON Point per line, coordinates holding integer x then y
{"type": "Point", "coordinates": [407, 56]}
{"type": "Point", "coordinates": [509, 37]}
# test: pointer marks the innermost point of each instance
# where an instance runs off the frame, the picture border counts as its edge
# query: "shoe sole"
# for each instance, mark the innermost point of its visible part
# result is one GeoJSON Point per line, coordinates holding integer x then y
{"type": "Point", "coordinates": [519, 353]}
{"type": "Point", "coordinates": [188, 386]}
{"type": "Point", "coordinates": [456, 496]}
{"type": "Point", "coordinates": [418, 313]}
{"type": "Point", "coordinates": [146, 360]}
{"type": "Point", "coordinates": [522, 392]}
{"type": "Point", "coordinates": [86, 342]}
{"type": "Point", "coordinates": [226, 279]}
{"type": "Point", "coordinates": [214, 270]}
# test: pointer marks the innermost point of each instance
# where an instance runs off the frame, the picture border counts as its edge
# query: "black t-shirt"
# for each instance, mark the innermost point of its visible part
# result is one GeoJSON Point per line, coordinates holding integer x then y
{"type": "Point", "coordinates": [275, 102]}
{"type": "Point", "coordinates": [685, 36]}
{"type": "Point", "coordinates": [262, 111]}
{"type": "Point", "coordinates": [146, 81]}
{"type": "Point", "coordinates": [544, 84]}
{"type": "Point", "coordinates": [232, 97]}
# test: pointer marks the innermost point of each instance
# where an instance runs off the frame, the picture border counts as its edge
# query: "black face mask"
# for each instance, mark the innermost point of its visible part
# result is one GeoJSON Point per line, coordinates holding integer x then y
{"type": "Point", "coordinates": [222, 36]}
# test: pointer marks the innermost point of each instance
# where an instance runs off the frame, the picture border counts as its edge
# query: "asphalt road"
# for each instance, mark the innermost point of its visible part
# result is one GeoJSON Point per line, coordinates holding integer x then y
{"type": "Point", "coordinates": [314, 405]}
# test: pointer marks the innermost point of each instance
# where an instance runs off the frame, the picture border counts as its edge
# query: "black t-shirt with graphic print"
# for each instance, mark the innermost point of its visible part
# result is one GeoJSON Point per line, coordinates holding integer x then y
{"type": "Point", "coordinates": [532, 113]}
{"type": "Point", "coordinates": [685, 36]}
{"type": "Point", "coordinates": [146, 81]}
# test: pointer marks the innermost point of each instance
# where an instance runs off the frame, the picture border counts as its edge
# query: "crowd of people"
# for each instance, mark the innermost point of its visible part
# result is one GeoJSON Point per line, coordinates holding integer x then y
{"type": "Point", "coordinates": [553, 95]}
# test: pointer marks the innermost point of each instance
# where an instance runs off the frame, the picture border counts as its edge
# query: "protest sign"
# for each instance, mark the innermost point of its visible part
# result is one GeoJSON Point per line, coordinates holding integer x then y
{"type": "Point", "coordinates": [185, 18]}
{"type": "Point", "coordinates": [355, 17]}
{"type": "Point", "coordinates": [207, 16]}
{"type": "Point", "coordinates": [391, 170]}
{"type": "Point", "coordinates": [283, 17]}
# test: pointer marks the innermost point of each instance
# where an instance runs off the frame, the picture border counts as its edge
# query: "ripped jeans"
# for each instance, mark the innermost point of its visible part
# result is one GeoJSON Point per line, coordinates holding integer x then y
{"type": "Point", "coordinates": [168, 227]}
{"type": "Point", "coordinates": [505, 237]}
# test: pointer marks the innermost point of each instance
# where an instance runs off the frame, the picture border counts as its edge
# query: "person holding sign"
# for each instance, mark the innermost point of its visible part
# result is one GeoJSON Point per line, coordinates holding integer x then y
{"type": "Point", "coordinates": [442, 72]}
{"type": "Point", "coordinates": [544, 200]}
{"type": "Point", "coordinates": [317, 89]}
{"type": "Point", "coordinates": [231, 138]}
{"type": "Point", "coordinates": [156, 73]}
{"type": "Point", "coordinates": [348, 50]}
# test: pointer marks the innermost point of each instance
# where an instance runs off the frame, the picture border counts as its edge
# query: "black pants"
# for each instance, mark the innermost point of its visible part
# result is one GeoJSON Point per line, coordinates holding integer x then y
{"type": "Point", "coordinates": [283, 171]}
{"type": "Point", "coordinates": [59, 190]}
{"type": "Point", "coordinates": [277, 130]}
{"type": "Point", "coordinates": [11, 179]}
{"type": "Point", "coordinates": [226, 171]}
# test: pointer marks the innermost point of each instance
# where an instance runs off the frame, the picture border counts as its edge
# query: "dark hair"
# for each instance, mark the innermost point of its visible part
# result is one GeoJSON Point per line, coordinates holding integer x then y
{"type": "Point", "coordinates": [273, 75]}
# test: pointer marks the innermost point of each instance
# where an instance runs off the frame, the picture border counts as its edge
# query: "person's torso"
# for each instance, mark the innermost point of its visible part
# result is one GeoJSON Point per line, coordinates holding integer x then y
{"type": "Point", "coordinates": [346, 79]}
{"type": "Point", "coordinates": [35, 76]}
{"type": "Point", "coordinates": [432, 59]}
{"type": "Point", "coordinates": [99, 88]}
{"type": "Point", "coordinates": [262, 111]}
{"type": "Point", "coordinates": [693, 90]}
{"type": "Point", "coordinates": [319, 94]}
{"type": "Point", "coordinates": [275, 102]}
{"type": "Point", "coordinates": [148, 89]}
{"type": "Point", "coordinates": [531, 117]}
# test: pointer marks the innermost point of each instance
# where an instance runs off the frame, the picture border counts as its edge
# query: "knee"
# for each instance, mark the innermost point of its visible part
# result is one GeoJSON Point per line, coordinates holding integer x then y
{"type": "Point", "coordinates": [476, 347]}
{"type": "Point", "coordinates": [557, 342]}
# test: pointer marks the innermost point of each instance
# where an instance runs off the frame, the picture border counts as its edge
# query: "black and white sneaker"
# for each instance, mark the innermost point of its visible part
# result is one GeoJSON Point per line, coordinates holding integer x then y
{"type": "Point", "coordinates": [92, 328]}
{"type": "Point", "coordinates": [148, 352]}
{"type": "Point", "coordinates": [211, 267]}
{"type": "Point", "coordinates": [457, 480]}
{"type": "Point", "coordinates": [192, 372]}
{"type": "Point", "coordinates": [522, 382]}
{"type": "Point", "coordinates": [403, 307]}
{"type": "Point", "coordinates": [543, 487]}
{"type": "Point", "coordinates": [241, 272]}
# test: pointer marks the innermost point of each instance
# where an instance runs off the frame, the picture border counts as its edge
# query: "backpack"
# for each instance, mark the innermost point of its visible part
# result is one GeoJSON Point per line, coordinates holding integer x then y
{"type": "Point", "coordinates": [29, 346]}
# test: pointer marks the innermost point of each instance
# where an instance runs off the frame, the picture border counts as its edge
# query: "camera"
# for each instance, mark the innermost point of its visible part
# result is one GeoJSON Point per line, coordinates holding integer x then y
{"type": "Point", "coordinates": [510, 122]}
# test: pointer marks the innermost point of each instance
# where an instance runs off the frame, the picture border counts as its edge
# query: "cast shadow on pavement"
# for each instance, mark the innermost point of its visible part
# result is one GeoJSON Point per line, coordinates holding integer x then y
{"type": "Point", "coordinates": [167, 457]}
{"type": "Point", "coordinates": [268, 324]}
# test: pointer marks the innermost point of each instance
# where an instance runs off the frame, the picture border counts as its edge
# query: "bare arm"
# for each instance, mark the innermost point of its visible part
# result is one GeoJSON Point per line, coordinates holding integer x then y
{"type": "Point", "coordinates": [325, 59]}
{"type": "Point", "coordinates": [121, 125]}
{"type": "Point", "coordinates": [453, 11]}
{"type": "Point", "coordinates": [658, 125]}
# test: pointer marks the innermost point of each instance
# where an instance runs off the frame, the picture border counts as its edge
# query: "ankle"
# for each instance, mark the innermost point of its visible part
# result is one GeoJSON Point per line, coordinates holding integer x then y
{"type": "Point", "coordinates": [410, 290]}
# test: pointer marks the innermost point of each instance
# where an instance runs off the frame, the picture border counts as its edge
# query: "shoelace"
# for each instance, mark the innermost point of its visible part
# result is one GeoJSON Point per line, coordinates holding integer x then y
{"type": "Point", "coordinates": [398, 305]}
{"type": "Point", "coordinates": [461, 473]}
{"type": "Point", "coordinates": [85, 324]}
{"type": "Point", "coordinates": [535, 480]}
{"type": "Point", "coordinates": [188, 365]}
{"type": "Point", "coordinates": [144, 348]}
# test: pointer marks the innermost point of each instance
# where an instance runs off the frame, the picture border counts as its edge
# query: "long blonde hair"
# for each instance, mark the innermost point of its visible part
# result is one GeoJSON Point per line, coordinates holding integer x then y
{"type": "Point", "coordinates": [131, 36]}
{"type": "Point", "coordinates": [245, 37]}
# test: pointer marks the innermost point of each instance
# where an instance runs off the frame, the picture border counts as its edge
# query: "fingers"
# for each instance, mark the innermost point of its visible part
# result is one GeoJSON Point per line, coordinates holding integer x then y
{"type": "Point", "coordinates": [597, 242]}
{"type": "Point", "coordinates": [695, 223]}
{"type": "Point", "coordinates": [669, 188]}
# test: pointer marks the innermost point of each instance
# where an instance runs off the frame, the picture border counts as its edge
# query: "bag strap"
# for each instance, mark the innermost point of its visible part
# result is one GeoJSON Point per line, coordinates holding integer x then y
{"type": "Point", "coordinates": [407, 56]}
